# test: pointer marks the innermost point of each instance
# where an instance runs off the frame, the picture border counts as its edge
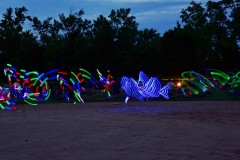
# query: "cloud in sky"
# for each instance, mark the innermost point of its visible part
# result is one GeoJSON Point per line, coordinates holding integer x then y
{"type": "Point", "coordinates": [158, 14]}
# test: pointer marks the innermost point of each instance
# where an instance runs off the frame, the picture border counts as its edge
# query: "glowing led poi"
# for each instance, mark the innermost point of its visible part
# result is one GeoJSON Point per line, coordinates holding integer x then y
{"type": "Point", "coordinates": [33, 87]}
{"type": "Point", "coordinates": [195, 83]}
{"type": "Point", "coordinates": [106, 82]}
{"type": "Point", "coordinates": [144, 88]}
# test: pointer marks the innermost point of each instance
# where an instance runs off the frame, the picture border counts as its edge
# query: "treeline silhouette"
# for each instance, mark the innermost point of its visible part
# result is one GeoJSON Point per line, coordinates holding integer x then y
{"type": "Point", "coordinates": [207, 37]}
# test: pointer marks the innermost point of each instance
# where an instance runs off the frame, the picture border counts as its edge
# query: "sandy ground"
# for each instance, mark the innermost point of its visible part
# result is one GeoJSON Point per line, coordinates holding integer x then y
{"type": "Point", "coordinates": [164, 130]}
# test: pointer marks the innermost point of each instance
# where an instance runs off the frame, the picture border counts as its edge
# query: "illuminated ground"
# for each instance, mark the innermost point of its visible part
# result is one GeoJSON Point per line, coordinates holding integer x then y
{"type": "Point", "coordinates": [162, 130]}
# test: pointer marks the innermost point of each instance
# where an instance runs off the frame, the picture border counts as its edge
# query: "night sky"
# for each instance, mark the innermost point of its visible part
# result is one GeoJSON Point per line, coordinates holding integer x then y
{"type": "Point", "coordinates": [157, 14]}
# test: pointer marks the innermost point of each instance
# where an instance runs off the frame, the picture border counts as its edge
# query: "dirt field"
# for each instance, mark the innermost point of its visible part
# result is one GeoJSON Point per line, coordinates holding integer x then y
{"type": "Point", "coordinates": [164, 130]}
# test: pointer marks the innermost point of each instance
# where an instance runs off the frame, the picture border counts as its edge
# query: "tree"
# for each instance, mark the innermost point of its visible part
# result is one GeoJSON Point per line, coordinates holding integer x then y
{"type": "Point", "coordinates": [77, 33]}
{"type": "Point", "coordinates": [194, 16]}
{"type": "Point", "coordinates": [125, 28]}
{"type": "Point", "coordinates": [213, 31]}
{"type": "Point", "coordinates": [104, 43]}
{"type": "Point", "coordinates": [178, 46]}
{"type": "Point", "coordinates": [11, 32]}
{"type": "Point", "coordinates": [147, 55]}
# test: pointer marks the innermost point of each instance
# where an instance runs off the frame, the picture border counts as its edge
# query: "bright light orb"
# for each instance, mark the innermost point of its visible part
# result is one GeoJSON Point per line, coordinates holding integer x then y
{"type": "Point", "coordinates": [179, 84]}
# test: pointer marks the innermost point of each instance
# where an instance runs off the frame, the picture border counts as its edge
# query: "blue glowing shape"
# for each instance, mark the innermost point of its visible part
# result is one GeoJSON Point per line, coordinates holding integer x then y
{"type": "Point", "coordinates": [144, 88]}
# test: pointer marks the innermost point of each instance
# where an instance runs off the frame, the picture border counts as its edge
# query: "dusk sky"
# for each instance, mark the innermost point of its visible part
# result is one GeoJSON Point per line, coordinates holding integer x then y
{"type": "Point", "coordinates": [157, 14]}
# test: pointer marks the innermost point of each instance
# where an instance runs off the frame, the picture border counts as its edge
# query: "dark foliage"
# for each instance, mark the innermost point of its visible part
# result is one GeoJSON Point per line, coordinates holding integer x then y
{"type": "Point", "coordinates": [208, 36]}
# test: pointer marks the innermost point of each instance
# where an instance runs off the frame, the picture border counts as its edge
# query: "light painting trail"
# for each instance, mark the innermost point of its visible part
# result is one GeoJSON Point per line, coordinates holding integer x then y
{"type": "Point", "coordinates": [144, 88]}
{"type": "Point", "coordinates": [33, 87]}
{"type": "Point", "coordinates": [195, 83]}
{"type": "Point", "coordinates": [107, 82]}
